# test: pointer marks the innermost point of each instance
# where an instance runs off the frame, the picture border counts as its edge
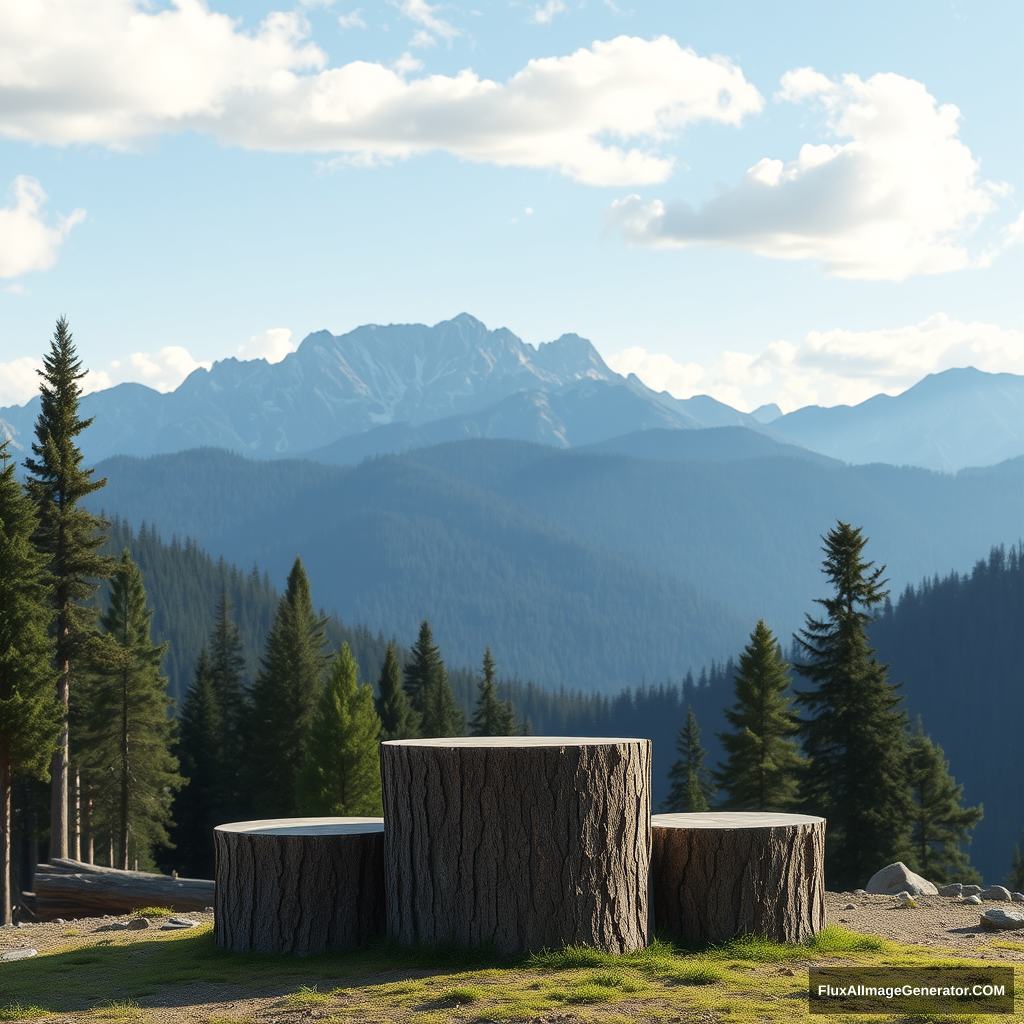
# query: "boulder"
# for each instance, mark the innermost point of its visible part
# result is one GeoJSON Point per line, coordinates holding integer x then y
{"type": "Point", "coordinates": [953, 889]}
{"type": "Point", "coordinates": [1018, 897]}
{"type": "Point", "coordinates": [896, 878]}
{"type": "Point", "coordinates": [974, 898]}
{"type": "Point", "coordinates": [996, 892]}
{"type": "Point", "coordinates": [999, 920]}
{"type": "Point", "coordinates": [970, 890]}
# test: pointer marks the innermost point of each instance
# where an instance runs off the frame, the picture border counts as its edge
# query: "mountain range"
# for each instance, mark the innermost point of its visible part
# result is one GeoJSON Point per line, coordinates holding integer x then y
{"type": "Point", "coordinates": [386, 389]}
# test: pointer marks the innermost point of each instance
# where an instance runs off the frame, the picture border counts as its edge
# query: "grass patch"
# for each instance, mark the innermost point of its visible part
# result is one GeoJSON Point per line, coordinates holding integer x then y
{"type": "Point", "coordinates": [835, 939]}
{"type": "Point", "coordinates": [153, 912]}
{"type": "Point", "coordinates": [15, 1011]}
{"type": "Point", "coordinates": [307, 995]}
{"type": "Point", "coordinates": [120, 1009]}
{"type": "Point", "coordinates": [459, 996]}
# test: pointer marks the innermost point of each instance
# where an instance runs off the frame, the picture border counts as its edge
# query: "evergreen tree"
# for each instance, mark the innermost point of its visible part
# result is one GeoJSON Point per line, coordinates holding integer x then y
{"type": "Point", "coordinates": [30, 716]}
{"type": "Point", "coordinates": [226, 666]}
{"type": "Point", "coordinates": [199, 807]}
{"type": "Point", "coordinates": [1015, 879]}
{"type": "Point", "coordinates": [341, 771]}
{"type": "Point", "coordinates": [855, 737]}
{"type": "Point", "coordinates": [692, 786]}
{"type": "Point", "coordinates": [492, 717]}
{"type": "Point", "coordinates": [68, 535]}
{"type": "Point", "coordinates": [430, 693]}
{"type": "Point", "coordinates": [762, 766]}
{"type": "Point", "coordinates": [127, 749]}
{"type": "Point", "coordinates": [284, 699]}
{"type": "Point", "coordinates": [398, 719]}
{"type": "Point", "coordinates": [939, 825]}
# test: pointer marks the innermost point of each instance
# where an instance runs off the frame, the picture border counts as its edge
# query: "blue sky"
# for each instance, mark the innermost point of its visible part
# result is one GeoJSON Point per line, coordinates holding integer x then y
{"type": "Point", "coordinates": [791, 202]}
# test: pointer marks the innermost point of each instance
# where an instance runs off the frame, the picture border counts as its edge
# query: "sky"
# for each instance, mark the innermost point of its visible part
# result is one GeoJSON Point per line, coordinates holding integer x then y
{"type": "Point", "coordinates": [797, 202]}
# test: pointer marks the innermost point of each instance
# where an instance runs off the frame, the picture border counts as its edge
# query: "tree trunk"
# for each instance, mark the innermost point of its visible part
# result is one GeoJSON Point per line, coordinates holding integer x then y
{"type": "Point", "coordinates": [720, 874]}
{"type": "Point", "coordinates": [59, 768]}
{"type": "Point", "coordinates": [5, 833]}
{"type": "Point", "coordinates": [518, 842]}
{"type": "Point", "coordinates": [299, 885]}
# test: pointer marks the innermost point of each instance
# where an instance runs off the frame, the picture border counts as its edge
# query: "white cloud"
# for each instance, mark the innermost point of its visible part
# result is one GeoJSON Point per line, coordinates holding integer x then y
{"type": "Point", "coordinates": [432, 26]}
{"type": "Point", "coordinates": [835, 367]}
{"type": "Point", "coordinates": [545, 15]}
{"type": "Point", "coordinates": [19, 380]}
{"type": "Point", "coordinates": [115, 71]}
{"type": "Point", "coordinates": [27, 242]}
{"type": "Point", "coordinates": [354, 19]}
{"type": "Point", "coordinates": [162, 371]}
{"type": "Point", "coordinates": [1013, 233]}
{"type": "Point", "coordinates": [272, 345]}
{"type": "Point", "coordinates": [899, 198]}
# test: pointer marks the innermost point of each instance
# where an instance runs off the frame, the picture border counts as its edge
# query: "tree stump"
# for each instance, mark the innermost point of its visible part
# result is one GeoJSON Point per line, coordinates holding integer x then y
{"type": "Point", "coordinates": [721, 874]}
{"type": "Point", "coordinates": [518, 843]}
{"type": "Point", "coordinates": [298, 885]}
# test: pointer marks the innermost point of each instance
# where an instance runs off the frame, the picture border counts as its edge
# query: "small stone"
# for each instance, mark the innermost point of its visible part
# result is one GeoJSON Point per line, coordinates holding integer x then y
{"type": "Point", "coordinates": [207, 910]}
{"type": "Point", "coordinates": [860, 892]}
{"type": "Point", "coordinates": [998, 920]}
{"type": "Point", "coordinates": [906, 902]}
{"type": "Point", "coordinates": [953, 889]}
{"type": "Point", "coordinates": [19, 954]}
{"type": "Point", "coordinates": [176, 923]}
{"type": "Point", "coordinates": [137, 924]}
{"type": "Point", "coordinates": [974, 899]}
{"type": "Point", "coordinates": [896, 878]}
{"type": "Point", "coordinates": [996, 892]}
{"type": "Point", "coordinates": [850, 906]}
{"type": "Point", "coordinates": [59, 920]}
{"type": "Point", "coordinates": [1018, 897]}
{"type": "Point", "coordinates": [970, 890]}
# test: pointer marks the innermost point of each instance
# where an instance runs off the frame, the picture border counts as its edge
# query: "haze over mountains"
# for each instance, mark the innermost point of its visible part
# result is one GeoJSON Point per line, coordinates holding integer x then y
{"type": "Point", "coordinates": [388, 389]}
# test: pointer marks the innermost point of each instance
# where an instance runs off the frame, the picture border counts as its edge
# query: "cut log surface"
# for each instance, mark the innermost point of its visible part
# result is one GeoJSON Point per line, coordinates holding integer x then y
{"type": "Point", "coordinates": [518, 843]}
{"type": "Point", "coordinates": [721, 874]}
{"type": "Point", "coordinates": [299, 885]}
{"type": "Point", "coordinates": [70, 889]}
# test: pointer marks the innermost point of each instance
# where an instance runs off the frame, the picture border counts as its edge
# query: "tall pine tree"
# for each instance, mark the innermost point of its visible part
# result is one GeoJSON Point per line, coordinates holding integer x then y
{"type": "Point", "coordinates": [398, 720]}
{"type": "Point", "coordinates": [430, 693]}
{"type": "Point", "coordinates": [855, 736]}
{"type": "Point", "coordinates": [491, 717]}
{"type": "Point", "coordinates": [30, 716]}
{"type": "Point", "coordinates": [226, 666]}
{"type": "Point", "coordinates": [341, 771]}
{"type": "Point", "coordinates": [284, 699]}
{"type": "Point", "coordinates": [127, 748]}
{"type": "Point", "coordinates": [763, 762]}
{"type": "Point", "coordinates": [68, 535]}
{"type": "Point", "coordinates": [939, 825]}
{"type": "Point", "coordinates": [692, 786]}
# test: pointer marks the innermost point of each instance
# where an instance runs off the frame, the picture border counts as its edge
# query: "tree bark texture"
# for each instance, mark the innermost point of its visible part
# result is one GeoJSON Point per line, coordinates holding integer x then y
{"type": "Point", "coordinates": [721, 874]}
{"type": "Point", "coordinates": [6, 902]}
{"type": "Point", "coordinates": [69, 889]}
{"type": "Point", "coordinates": [518, 842]}
{"type": "Point", "coordinates": [299, 885]}
{"type": "Point", "coordinates": [59, 771]}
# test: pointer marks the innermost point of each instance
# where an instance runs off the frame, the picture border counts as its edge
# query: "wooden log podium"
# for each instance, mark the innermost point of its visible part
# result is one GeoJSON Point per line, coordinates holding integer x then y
{"type": "Point", "coordinates": [721, 874]}
{"type": "Point", "coordinates": [298, 885]}
{"type": "Point", "coordinates": [518, 842]}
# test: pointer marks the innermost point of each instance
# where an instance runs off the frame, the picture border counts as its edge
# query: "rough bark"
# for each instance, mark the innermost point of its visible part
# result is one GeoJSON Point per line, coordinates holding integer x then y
{"type": "Point", "coordinates": [299, 885]}
{"type": "Point", "coordinates": [721, 874]}
{"type": "Point", "coordinates": [69, 888]}
{"type": "Point", "coordinates": [59, 767]}
{"type": "Point", "coordinates": [6, 904]}
{"type": "Point", "coordinates": [518, 843]}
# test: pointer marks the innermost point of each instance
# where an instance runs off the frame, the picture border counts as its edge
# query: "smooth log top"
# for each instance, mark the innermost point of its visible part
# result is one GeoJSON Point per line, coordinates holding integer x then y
{"type": "Point", "coordinates": [305, 826]}
{"type": "Point", "coordinates": [732, 819]}
{"type": "Point", "coordinates": [513, 741]}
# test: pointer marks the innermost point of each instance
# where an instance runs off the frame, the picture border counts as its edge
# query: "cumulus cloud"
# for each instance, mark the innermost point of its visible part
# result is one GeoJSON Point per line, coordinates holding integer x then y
{"type": "Point", "coordinates": [424, 14]}
{"type": "Point", "coordinates": [27, 241]}
{"type": "Point", "coordinates": [116, 71]}
{"type": "Point", "coordinates": [272, 345]}
{"type": "Point", "coordinates": [19, 381]}
{"type": "Point", "coordinates": [835, 367]}
{"type": "Point", "coordinates": [899, 198]}
{"type": "Point", "coordinates": [546, 14]}
{"type": "Point", "coordinates": [354, 19]}
{"type": "Point", "coordinates": [162, 371]}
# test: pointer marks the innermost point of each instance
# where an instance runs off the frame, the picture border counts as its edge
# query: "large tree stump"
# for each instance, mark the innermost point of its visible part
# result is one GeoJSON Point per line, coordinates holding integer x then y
{"type": "Point", "coordinates": [721, 874]}
{"type": "Point", "coordinates": [298, 885]}
{"type": "Point", "coordinates": [518, 842]}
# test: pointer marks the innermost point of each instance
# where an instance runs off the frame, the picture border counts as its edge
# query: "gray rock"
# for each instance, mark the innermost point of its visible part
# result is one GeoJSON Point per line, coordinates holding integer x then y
{"type": "Point", "coordinates": [849, 906]}
{"type": "Point", "coordinates": [896, 878]}
{"type": "Point", "coordinates": [114, 926]}
{"type": "Point", "coordinates": [1018, 897]}
{"type": "Point", "coordinates": [19, 954]}
{"type": "Point", "coordinates": [996, 892]}
{"type": "Point", "coordinates": [860, 892]}
{"type": "Point", "coordinates": [906, 902]}
{"type": "Point", "coordinates": [953, 889]}
{"type": "Point", "coordinates": [137, 924]}
{"type": "Point", "coordinates": [177, 923]}
{"type": "Point", "coordinates": [974, 898]}
{"type": "Point", "coordinates": [998, 920]}
{"type": "Point", "coordinates": [970, 890]}
{"type": "Point", "coordinates": [207, 910]}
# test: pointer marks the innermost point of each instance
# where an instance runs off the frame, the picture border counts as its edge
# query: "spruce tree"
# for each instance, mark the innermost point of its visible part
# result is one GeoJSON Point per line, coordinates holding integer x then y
{"type": "Point", "coordinates": [763, 763]}
{"type": "Point", "coordinates": [68, 535]}
{"type": "Point", "coordinates": [199, 807]}
{"type": "Point", "coordinates": [398, 720]}
{"type": "Point", "coordinates": [129, 736]}
{"type": "Point", "coordinates": [30, 716]}
{"type": "Point", "coordinates": [226, 667]}
{"type": "Point", "coordinates": [855, 737]}
{"type": "Point", "coordinates": [492, 717]}
{"type": "Point", "coordinates": [430, 693]}
{"type": "Point", "coordinates": [939, 825]}
{"type": "Point", "coordinates": [284, 699]}
{"type": "Point", "coordinates": [341, 771]}
{"type": "Point", "coordinates": [1015, 879]}
{"type": "Point", "coordinates": [692, 786]}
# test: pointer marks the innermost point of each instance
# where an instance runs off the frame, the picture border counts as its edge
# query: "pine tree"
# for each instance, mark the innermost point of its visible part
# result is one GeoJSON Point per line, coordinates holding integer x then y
{"type": "Point", "coordinates": [199, 806]}
{"type": "Point", "coordinates": [939, 825]}
{"type": "Point", "coordinates": [127, 748]}
{"type": "Point", "coordinates": [226, 667]}
{"type": "Point", "coordinates": [284, 699]}
{"type": "Point", "coordinates": [341, 771]}
{"type": "Point", "coordinates": [430, 693]}
{"type": "Point", "coordinates": [855, 738]}
{"type": "Point", "coordinates": [30, 716]}
{"type": "Point", "coordinates": [68, 535]}
{"type": "Point", "coordinates": [692, 786]}
{"type": "Point", "coordinates": [763, 764]}
{"type": "Point", "coordinates": [492, 717]}
{"type": "Point", "coordinates": [397, 718]}
{"type": "Point", "coordinates": [1015, 879]}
